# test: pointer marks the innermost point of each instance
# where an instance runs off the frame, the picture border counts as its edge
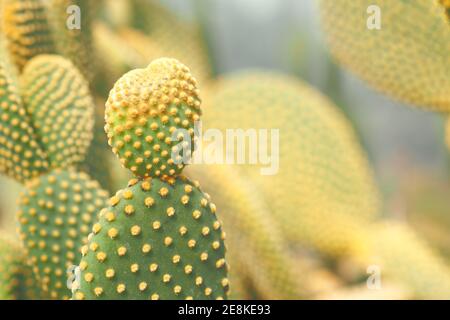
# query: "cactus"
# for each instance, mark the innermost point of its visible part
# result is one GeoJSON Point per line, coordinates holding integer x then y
{"type": "Point", "coordinates": [53, 221]}
{"type": "Point", "coordinates": [74, 43]}
{"type": "Point", "coordinates": [323, 173]}
{"type": "Point", "coordinates": [407, 58]}
{"type": "Point", "coordinates": [144, 109]}
{"type": "Point", "coordinates": [56, 214]}
{"type": "Point", "coordinates": [16, 278]}
{"type": "Point", "coordinates": [406, 259]}
{"type": "Point", "coordinates": [26, 28]}
{"type": "Point", "coordinates": [21, 157]}
{"type": "Point", "coordinates": [253, 237]}
{"type": "Point", "coordinates": [99, 159]}
{"type": "Point", "coordinates": [61, 109]}
{"type": "Point", "coordinates": [159, 238]}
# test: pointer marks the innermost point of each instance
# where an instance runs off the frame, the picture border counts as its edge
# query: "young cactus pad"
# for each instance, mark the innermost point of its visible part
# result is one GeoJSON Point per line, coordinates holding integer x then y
{"type": "Point", "coordinates": [57, 98]}
{"type": "Point", "coordinates": [157, 240]}
{"type": "Point", "coordinates": [144, 109]}
{"type": "Point", "coordinates": [407, 57]}
{"type": "Point", "coordinates": [26, 28]}
{"type": "Point", "coordinates": [21, 157]}
{"type": "Point", "coordinates": [56, 215]}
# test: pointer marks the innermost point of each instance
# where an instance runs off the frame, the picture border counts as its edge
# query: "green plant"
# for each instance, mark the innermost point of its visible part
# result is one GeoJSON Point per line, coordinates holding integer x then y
{"type": "Point", "coordinates": [160, 237]}
{"type": "Point", "coordinates": [406, 59]}
{"type": "Point", "coordinates": [74, 42]}
{"type": "Point", "coordinates": [26, 28]}
{"type": "Point", "coordinates": [56, 214]}
{"type": "Point", "coordinates": [21, 156]}
{"type": "Point", "coordinates": [323, 173]}
{"type": "Point", "coordinates": [60, 107]}
{"type": "Point", "coordinates": [58, 203]}
{"type": "Point", "coordinates": [16, 277]}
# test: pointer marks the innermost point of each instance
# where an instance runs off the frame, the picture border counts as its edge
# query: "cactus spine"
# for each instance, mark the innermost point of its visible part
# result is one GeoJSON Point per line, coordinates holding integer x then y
{"type": "Point", "coordinates": [159, 238]}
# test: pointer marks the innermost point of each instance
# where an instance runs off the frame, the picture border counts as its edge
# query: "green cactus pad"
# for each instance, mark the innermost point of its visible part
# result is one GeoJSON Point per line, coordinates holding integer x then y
{"type": "Point", "coordinates": [26, 28]}
{"type": "Point", "coordinates": [145, 107]}
{"type": "Point", "coordinates": [21, 157]}
{"type": "Point", "coordinates": [57, 98]}
{"type": "Point", "coordinates": [56, 214]}
{"type": "Point", "coordinates": [74, 43]}
{"type": "Point", "coordinates": [156, 240]}
{"type": "Point", "coordinates": [16, 277]}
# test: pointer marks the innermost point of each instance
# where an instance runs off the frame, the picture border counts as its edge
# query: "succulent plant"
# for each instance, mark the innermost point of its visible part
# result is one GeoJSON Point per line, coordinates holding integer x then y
{"type": "Point", "coordinates": [405, 258]}
{"type": "Point", "coordinates": [156, 240]}
{"type": "Point", "coordinates": [144, 109]}
{"type": "Point", "coordinates": [407, 58]}
{"type": "Point", "coordinates": [253, 238]}
{"type": "Point", "coordinates": [21, 156]}
{"type": "Point", "coordinates": [16, 277]}
{"type": "Point", "coordinates": [74, 42]}
{"type": "Point", "coordinates": [323, 173]}
{"type": "Point", "coordinates": [160, 237]}
{"type": "Point", "coordinates": [46, 127]}
{"type": "Point", "coordinates": [60, 106]}
{"type": "Point", "coordinates": [26, 27]}
{"type": "Point", "coordinates": [56, 213]}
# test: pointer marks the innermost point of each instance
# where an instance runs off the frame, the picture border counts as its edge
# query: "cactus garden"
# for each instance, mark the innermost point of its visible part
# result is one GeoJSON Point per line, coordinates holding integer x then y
{"type": "Point", "coordinates": [152, 151]}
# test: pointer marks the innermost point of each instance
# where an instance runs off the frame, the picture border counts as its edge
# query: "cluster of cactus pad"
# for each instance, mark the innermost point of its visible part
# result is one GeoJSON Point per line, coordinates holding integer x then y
{"type": "Point", "coordinates": [159, 236]}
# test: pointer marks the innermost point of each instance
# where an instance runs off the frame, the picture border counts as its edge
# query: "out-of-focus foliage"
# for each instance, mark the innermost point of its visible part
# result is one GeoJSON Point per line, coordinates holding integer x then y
{"type": "Point", "coordinates": [408, 57]}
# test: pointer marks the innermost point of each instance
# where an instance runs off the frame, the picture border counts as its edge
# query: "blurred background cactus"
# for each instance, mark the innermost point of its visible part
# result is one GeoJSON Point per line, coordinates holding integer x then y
{"type": "Point", "coordinates": [358, 208]}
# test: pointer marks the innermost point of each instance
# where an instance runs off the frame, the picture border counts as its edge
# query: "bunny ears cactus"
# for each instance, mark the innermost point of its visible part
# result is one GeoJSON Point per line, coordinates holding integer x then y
{"type": "Point", "coordinates": [144, 109]}
{"type": "Point", "coordinates": [159, 238]}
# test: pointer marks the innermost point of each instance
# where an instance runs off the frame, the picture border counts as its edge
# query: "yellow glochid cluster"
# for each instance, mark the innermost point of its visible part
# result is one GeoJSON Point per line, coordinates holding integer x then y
{"type": "Point", "coordinates": [144, 114]}
{"type": "Point", "coordinates": [58, 101]}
